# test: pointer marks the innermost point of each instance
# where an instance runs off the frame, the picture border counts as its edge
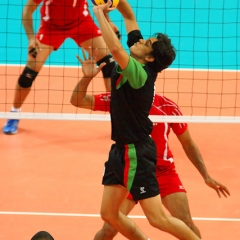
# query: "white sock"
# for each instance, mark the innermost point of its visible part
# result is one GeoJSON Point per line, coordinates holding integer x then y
{"type": "Point", "coordinates": [15, 109]}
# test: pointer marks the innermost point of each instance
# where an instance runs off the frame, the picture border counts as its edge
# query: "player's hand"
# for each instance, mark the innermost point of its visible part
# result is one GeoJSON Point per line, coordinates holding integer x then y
{"type": "Point", "coordinates": [219, 188]}
{"type": "Point", "coordinates": [104, 7]}
{"type": "Point", "coordinates": [33, 47]}
{"type": "Point", "coordinates": [89, 66]}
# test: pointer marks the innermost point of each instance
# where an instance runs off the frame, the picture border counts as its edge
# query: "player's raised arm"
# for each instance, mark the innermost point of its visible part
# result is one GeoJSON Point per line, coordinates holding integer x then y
{"type": "Point", "coordinates": [79, 97]}
{"type": "Point", "coordinates": [129, 18]}
{"type": "Point", "coordinates": [113, 44]}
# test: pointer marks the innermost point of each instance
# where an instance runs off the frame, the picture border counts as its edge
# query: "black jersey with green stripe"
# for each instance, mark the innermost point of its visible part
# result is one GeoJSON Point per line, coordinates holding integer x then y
{"type": "Point", "coordinates": [131, 99]}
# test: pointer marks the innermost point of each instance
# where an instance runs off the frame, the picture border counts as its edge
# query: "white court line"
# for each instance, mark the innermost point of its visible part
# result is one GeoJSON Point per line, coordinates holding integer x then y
{"type": "Point", "coordinates": [97, 215]}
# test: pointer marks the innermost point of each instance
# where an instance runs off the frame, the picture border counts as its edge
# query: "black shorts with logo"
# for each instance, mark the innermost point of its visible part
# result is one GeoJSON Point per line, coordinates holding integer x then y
{"type": "Point", "coordinates": [133, 166]}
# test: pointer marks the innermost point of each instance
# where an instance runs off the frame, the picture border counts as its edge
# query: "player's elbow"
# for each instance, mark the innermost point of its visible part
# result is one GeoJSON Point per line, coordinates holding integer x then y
{"type": "Point", "coordinates": [82, 101]}
{"type": "Point", "coordinates": [75, 101]}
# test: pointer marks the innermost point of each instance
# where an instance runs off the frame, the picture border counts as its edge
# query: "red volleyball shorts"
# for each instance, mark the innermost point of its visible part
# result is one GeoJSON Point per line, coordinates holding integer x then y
{"type": "Point", "coordinates": [80, 32]}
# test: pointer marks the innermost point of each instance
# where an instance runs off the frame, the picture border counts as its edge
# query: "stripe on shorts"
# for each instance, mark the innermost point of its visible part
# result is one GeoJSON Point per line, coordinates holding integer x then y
{"type": "Point", "coordinates": [130, 159]}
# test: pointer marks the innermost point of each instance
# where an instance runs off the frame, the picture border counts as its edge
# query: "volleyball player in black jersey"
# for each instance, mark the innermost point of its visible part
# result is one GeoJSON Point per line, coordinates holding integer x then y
{"type": "Point", "coordinates": [131, 165]}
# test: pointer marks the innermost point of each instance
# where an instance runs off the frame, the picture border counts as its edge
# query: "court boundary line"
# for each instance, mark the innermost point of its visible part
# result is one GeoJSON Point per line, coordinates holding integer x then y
{"type": "Point", "coordinates": [98, 216]}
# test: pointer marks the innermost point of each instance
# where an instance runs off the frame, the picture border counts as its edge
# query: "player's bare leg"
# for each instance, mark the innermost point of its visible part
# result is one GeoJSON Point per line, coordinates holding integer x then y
{"type": "Point", "coordinates": [156, 216]}
{"type": "Point", "coordinates": [113, 197]}
{"type": "Point", "coordinates": [35, 64]}
{"type": "Point", "coordinates": [108, 232]}
{"type": "Point", "coordinates": [36, 58]}
{"type": "Point", "coordinates": [177, 205]}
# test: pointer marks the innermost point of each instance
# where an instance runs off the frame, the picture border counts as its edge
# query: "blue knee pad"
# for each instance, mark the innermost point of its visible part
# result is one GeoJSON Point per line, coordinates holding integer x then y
{"type": "Point", "coordinates": [110, 65]}
{"type": "Point", "coordinates": [27, 77]}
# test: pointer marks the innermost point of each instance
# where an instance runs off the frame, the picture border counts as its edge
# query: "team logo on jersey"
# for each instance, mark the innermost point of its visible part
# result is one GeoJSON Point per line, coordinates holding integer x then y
{"type": "Point", "coordinates": [142, 190]}
{"type": "Point", "coordinates": [105, 98]}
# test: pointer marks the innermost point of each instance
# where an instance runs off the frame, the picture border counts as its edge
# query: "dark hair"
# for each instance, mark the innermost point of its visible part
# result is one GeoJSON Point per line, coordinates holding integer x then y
{"type": "Point", "coordinates": [42, 235]}
{"type": "Point", "coordinates": [163, 52]}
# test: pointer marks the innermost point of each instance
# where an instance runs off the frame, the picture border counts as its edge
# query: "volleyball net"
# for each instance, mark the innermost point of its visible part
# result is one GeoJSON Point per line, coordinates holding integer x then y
{"type": "Point", "coordinates": [204, 80]}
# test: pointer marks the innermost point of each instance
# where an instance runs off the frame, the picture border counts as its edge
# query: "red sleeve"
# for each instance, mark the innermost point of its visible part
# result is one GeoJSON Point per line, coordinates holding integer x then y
{"type": "Point", "coordinates": [178, 128]}
{"type": "Point", "coordinates": [173, 109]}
{"type": "Point", "coordinates": [102, 102]}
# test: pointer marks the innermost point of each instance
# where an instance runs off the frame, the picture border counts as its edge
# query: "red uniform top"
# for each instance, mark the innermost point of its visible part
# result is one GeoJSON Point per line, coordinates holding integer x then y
{"type": "Point", "coordinates": [160, 132]}
{"type": "Point", "coordinates": [63, 13]}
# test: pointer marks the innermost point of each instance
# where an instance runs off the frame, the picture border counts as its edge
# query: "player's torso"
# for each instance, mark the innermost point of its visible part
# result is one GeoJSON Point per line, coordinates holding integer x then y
{"type": "Point", "coordinates": [160, 132]}
{"type": "Point", "coordinates": [129, 110]}
{"type": "Point", "coordinates": [63, 12]}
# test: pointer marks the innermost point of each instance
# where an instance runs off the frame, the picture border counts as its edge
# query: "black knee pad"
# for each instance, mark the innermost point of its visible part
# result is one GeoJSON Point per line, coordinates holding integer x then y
{"type": "Point", "coordinates": [110, 65]}
{"type": "Point", "coordinates": [27, 77]}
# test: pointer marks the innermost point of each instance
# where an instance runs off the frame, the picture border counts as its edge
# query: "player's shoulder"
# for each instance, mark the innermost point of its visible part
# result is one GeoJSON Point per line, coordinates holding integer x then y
{"type": "Point", "coordinates": [160, 99]}
{"type": "Point", "coordinates": [165, 106]}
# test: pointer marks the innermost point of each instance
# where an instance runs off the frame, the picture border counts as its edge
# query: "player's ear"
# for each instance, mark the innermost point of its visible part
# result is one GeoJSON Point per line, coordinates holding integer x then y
{"type": "Point", "coordinates": [149, 58]}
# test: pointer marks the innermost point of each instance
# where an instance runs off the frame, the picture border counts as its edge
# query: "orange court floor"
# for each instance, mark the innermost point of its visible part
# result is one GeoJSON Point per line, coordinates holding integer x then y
{"type": "Point", "coordinates": [51, 173]}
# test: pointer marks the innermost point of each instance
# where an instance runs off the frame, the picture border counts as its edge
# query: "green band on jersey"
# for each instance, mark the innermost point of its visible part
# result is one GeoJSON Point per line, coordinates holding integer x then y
{"type": "Point", "coordinates": [134, 73]}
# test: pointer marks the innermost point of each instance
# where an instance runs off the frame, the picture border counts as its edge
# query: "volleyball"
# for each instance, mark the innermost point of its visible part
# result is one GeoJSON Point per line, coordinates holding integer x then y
{"type": "Point", "coordinates": [99, 2]}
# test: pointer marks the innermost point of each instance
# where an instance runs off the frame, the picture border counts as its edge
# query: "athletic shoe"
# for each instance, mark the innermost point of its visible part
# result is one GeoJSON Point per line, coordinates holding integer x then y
{"type": "Point", "coordinates": [11, 126]}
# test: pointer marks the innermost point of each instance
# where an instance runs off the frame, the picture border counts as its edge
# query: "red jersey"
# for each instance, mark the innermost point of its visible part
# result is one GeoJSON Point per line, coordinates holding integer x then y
{"type": "Point", "coordinates": [63, 13]}
{"type": "Point", "coordinates": [160, 132]}
{"type": "Point", "coordinates": [161, 106]}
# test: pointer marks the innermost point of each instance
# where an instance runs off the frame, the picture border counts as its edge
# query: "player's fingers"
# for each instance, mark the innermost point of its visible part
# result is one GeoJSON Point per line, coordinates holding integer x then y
{"type": "Point", "coordinates": [79, 59]}
{"type": "Point", "coordinates": [95, 52]}
{"type": "Point", "coordinates": [109, 3]}
{"type": "Point", "coordinates": [92, 53]}
{"type": "Point", "coordinates": [90, 57]}
{"type": "Point", "coordinates": [101, 66]}
{"type": "Point", "coordinates": [222, 187]}
{"type": "Point", "coordinates": [84, 54]}
{"type": "Point", "coordinates": [224, 192]}
{"type": "Point", "coordinates": [118, 34]}
{"type": "Point", "coordinates": [227, 191]}
{"type": "Point", "coordinates": [218, 193]}
{"type": "Point", "coordinates": [33, 52]}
